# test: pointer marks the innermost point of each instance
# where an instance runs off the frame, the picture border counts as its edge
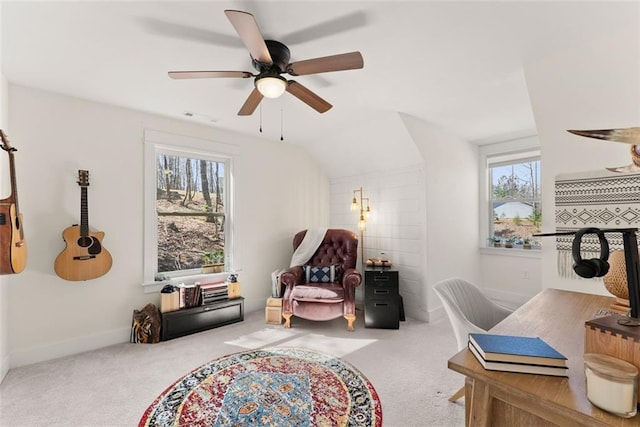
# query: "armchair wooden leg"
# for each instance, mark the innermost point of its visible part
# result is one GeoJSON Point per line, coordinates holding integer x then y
{"type": "Point", "coordinates": [457, 395]}
{"type": "Point", "coordinates": [287, 319]}
{"type": "Point", "coordinates": [350, 321]}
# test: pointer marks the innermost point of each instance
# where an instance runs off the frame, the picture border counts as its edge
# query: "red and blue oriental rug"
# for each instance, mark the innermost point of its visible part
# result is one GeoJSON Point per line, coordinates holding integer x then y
{"type": "Point", "coordinates": [275, 386]}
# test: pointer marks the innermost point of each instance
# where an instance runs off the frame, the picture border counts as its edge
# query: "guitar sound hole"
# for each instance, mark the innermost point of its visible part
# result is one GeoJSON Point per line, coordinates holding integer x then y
{"type": "Point", "coordinates": [91, 243]}
{"type": "Point", "coordinates": [85, 241]}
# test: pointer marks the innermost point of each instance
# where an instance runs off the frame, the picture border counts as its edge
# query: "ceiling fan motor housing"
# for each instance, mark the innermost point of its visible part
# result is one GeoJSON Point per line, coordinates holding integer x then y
{"type": "Point", "coordinates": [280, 55]}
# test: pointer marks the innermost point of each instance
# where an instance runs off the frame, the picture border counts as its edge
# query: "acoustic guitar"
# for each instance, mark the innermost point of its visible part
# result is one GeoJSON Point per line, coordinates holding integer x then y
{"type": "Point", "coordinates": [84, 257]}
{"type": "Point", "coordinates": [13, 246]}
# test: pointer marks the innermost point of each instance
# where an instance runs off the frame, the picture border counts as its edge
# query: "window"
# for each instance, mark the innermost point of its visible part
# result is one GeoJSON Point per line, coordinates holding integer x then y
{"type": "Point", "coordinates": [187, 205]}
{"type": "Point", "coordinates": [190, 214]}
{"type": "Point", "coordinates": [512, 211]}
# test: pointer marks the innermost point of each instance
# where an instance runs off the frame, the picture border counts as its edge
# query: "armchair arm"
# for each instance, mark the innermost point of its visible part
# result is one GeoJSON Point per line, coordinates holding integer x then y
{"type": "Point", "coordinates": [350, 281]}
{"type": "Point", "coordinates": [292, 276]}
{"type": "Point", "coordinates": [351, 278]}
{"type": "Point", "coordinates": [289, 278]}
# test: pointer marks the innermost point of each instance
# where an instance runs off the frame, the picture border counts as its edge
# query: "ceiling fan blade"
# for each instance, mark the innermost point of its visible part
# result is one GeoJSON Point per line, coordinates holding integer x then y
{"type": "Point", "coordinates": [247, 28]}
{"type": "Point", "coordinates": [208, 74]}
{"type": "Point", "coordinates": [251, 103]}
{"type": "Point", "coordinates": [308, 97]}
{"type": "Point", "coordinates": [627, 135]}
{"type": "Point", "coordinates": [344, 61]}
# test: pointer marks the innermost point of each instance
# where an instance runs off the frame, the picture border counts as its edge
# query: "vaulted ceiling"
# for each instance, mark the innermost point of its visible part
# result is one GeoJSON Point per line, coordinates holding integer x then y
{"type": "Point", "coordinates": [455, 64]}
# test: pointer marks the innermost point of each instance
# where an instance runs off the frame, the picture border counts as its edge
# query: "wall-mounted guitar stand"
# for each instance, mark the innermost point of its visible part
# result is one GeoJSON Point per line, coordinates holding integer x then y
{"type": "Point", "coordinates": [630, 241]}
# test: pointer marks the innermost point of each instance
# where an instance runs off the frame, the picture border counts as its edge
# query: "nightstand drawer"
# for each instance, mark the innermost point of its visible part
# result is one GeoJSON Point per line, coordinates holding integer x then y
{"type": "Point", "coordinates": [382, 313]}
{"type": "Point", "coordinates": [380, 292]}
{"type": "Point", "coordinates": [376, 278]}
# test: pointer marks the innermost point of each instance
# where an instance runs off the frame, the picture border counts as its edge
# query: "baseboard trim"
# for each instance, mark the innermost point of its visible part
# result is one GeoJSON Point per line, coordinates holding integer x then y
{"type": "Point", "coordinates": [4, 368]}
{"type": "Point", "coordinates": [87, 343]}
{"type": "Point", "coordinates": [68, 347]}
{"type": "Point", "coordinates": [437, 314]}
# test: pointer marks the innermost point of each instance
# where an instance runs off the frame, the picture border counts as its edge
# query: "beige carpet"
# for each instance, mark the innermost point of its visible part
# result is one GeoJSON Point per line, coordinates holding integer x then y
{"type": "Point", "coordinates": [113, 386]}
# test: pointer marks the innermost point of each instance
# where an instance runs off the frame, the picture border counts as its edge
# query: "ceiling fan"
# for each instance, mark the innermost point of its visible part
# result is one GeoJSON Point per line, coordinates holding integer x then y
{"type": "Point", "coordinates": [271, 59]}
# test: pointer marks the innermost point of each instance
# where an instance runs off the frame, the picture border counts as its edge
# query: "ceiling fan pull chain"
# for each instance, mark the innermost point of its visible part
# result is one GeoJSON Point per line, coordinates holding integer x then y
{"type": "Point", "coordinates": [260, 118]}
{"type": "Point", "coordinates": [281, 124]}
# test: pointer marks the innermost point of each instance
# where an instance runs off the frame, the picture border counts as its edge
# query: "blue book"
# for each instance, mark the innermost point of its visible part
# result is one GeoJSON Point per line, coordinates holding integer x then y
{"type": "Point", "coordinates": [523, 368]}
{"type": "Point", "coordinates": [516, 349]}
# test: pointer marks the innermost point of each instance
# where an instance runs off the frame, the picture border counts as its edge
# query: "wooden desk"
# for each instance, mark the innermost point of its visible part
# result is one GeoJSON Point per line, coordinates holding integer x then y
{"type": "Point", "coordinates": [511, 399]}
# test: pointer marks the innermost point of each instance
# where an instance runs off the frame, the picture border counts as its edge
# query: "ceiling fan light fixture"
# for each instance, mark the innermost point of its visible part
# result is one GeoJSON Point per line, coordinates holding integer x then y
{"type": "Point", "coordinates": [271, 86]}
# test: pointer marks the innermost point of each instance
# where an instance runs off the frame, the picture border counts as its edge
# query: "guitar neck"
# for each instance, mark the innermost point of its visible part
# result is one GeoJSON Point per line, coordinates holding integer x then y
{"type": "Point", "coordinates": [84, 212]}
{"type": "Point", "coordinates": [12, 175]}
{"type": "Point", "coordinates": [13, 197]}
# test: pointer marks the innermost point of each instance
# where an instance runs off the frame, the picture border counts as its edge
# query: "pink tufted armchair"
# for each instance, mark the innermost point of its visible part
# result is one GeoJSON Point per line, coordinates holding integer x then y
{"type": "Point", "coordinates": [324, 300]}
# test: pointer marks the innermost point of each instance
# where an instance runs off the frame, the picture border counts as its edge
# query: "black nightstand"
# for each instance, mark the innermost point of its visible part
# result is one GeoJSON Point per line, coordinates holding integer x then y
{"type": "Point", "coordinates": [382, 303]}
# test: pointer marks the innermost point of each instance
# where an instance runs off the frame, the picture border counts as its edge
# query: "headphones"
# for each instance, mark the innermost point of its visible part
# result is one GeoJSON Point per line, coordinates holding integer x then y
{"type": "Point", "coordinates": [594, 267]}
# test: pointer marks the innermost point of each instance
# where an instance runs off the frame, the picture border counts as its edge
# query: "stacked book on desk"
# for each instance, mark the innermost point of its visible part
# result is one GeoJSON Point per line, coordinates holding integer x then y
{"type": "Point", "coordinates": [213, 292]}
{"type": "Point", "coordinates": [517, 354]}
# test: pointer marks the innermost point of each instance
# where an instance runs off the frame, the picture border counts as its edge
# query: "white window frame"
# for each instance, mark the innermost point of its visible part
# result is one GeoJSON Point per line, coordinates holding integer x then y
{"type": "Point", "coordinates": [156, 142]}
{"type": "Point", "coordinates": [492, 154]}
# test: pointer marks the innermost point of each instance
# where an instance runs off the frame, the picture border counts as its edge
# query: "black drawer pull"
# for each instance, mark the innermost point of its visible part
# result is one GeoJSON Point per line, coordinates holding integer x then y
{"type": "Point", "coordinates": [381, 291]}
{"type": "Point", "coordinates": [381, 304]}
{"type": "Point", "coordinates": [380, 278]}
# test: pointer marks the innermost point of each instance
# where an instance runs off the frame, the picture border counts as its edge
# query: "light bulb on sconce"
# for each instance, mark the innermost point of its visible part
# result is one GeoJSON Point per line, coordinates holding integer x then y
{"type": "Point", "coordinates": [354, 205]}
{"type": "Point", "coordinates": [364, 216]}
{"type": "Point", "coordinates": [362, 224]}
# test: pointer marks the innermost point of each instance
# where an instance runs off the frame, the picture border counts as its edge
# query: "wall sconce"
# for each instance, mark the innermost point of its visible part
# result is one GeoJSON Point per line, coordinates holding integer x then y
{"type": "Point", "coordinates": [364, 211]}
{"type": "Point", "coordinates": [364, 216]}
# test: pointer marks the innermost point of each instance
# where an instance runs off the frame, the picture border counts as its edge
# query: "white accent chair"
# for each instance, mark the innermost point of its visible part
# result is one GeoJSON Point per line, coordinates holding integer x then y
{"type": "Point", "coordinates": [469, 310]}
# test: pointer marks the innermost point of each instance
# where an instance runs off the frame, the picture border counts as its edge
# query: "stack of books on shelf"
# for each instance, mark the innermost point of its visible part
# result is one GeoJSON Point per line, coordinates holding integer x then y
{"type": "Point", "coordinates": [212, 292]}
{"type": "Point", "coordinates": [517, 354]}
{"type": "Point", "coordinates": [189, 295]}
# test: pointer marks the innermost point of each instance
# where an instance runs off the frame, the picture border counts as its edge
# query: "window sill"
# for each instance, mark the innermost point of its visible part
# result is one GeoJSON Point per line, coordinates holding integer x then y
{"type": "Point", "coordinates": [512, 252]}
{"type": "Point", "coordinates": [150, 287]}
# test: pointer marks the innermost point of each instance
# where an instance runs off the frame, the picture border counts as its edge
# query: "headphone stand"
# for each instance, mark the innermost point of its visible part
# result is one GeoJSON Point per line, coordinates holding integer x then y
{"type": "Point", "coordinates": [633, 272]}
{"type": "Point", "coordinates": [630, 242]}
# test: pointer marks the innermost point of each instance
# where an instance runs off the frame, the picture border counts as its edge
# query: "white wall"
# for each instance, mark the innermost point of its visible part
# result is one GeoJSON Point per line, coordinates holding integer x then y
{"type": "Point", "coordinates": [510, 278]}
{"type": "Point", "coordinates": [592, 86]}
{"type": "Point", "coordinates": [279, 191]}
{"type": "Point", "coordinates": [4, 186]}
{"type": "Point", "coordinates": [369, 145]}
{"type": "Point", "coordinates": [396, 226]}
{"type": "Point", "coordinates": [451, 169]}
{"type": "Point", "coordinates": [425, 208]}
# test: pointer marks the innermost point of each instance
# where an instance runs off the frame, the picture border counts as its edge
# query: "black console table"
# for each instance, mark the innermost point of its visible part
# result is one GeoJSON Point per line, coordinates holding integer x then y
{"type": "Point", "coordinates": [382, 302]}
{"type": "Point", "coordinates": [190, 320]}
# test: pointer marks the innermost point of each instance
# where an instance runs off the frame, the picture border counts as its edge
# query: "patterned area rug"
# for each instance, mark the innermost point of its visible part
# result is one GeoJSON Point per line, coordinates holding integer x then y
{"type": "Point", "coordinates": [277, 386]}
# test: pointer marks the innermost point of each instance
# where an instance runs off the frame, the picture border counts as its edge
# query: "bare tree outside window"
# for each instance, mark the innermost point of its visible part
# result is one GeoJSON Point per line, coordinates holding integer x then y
{"type": "Point", "coordinates": [190, 223]}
